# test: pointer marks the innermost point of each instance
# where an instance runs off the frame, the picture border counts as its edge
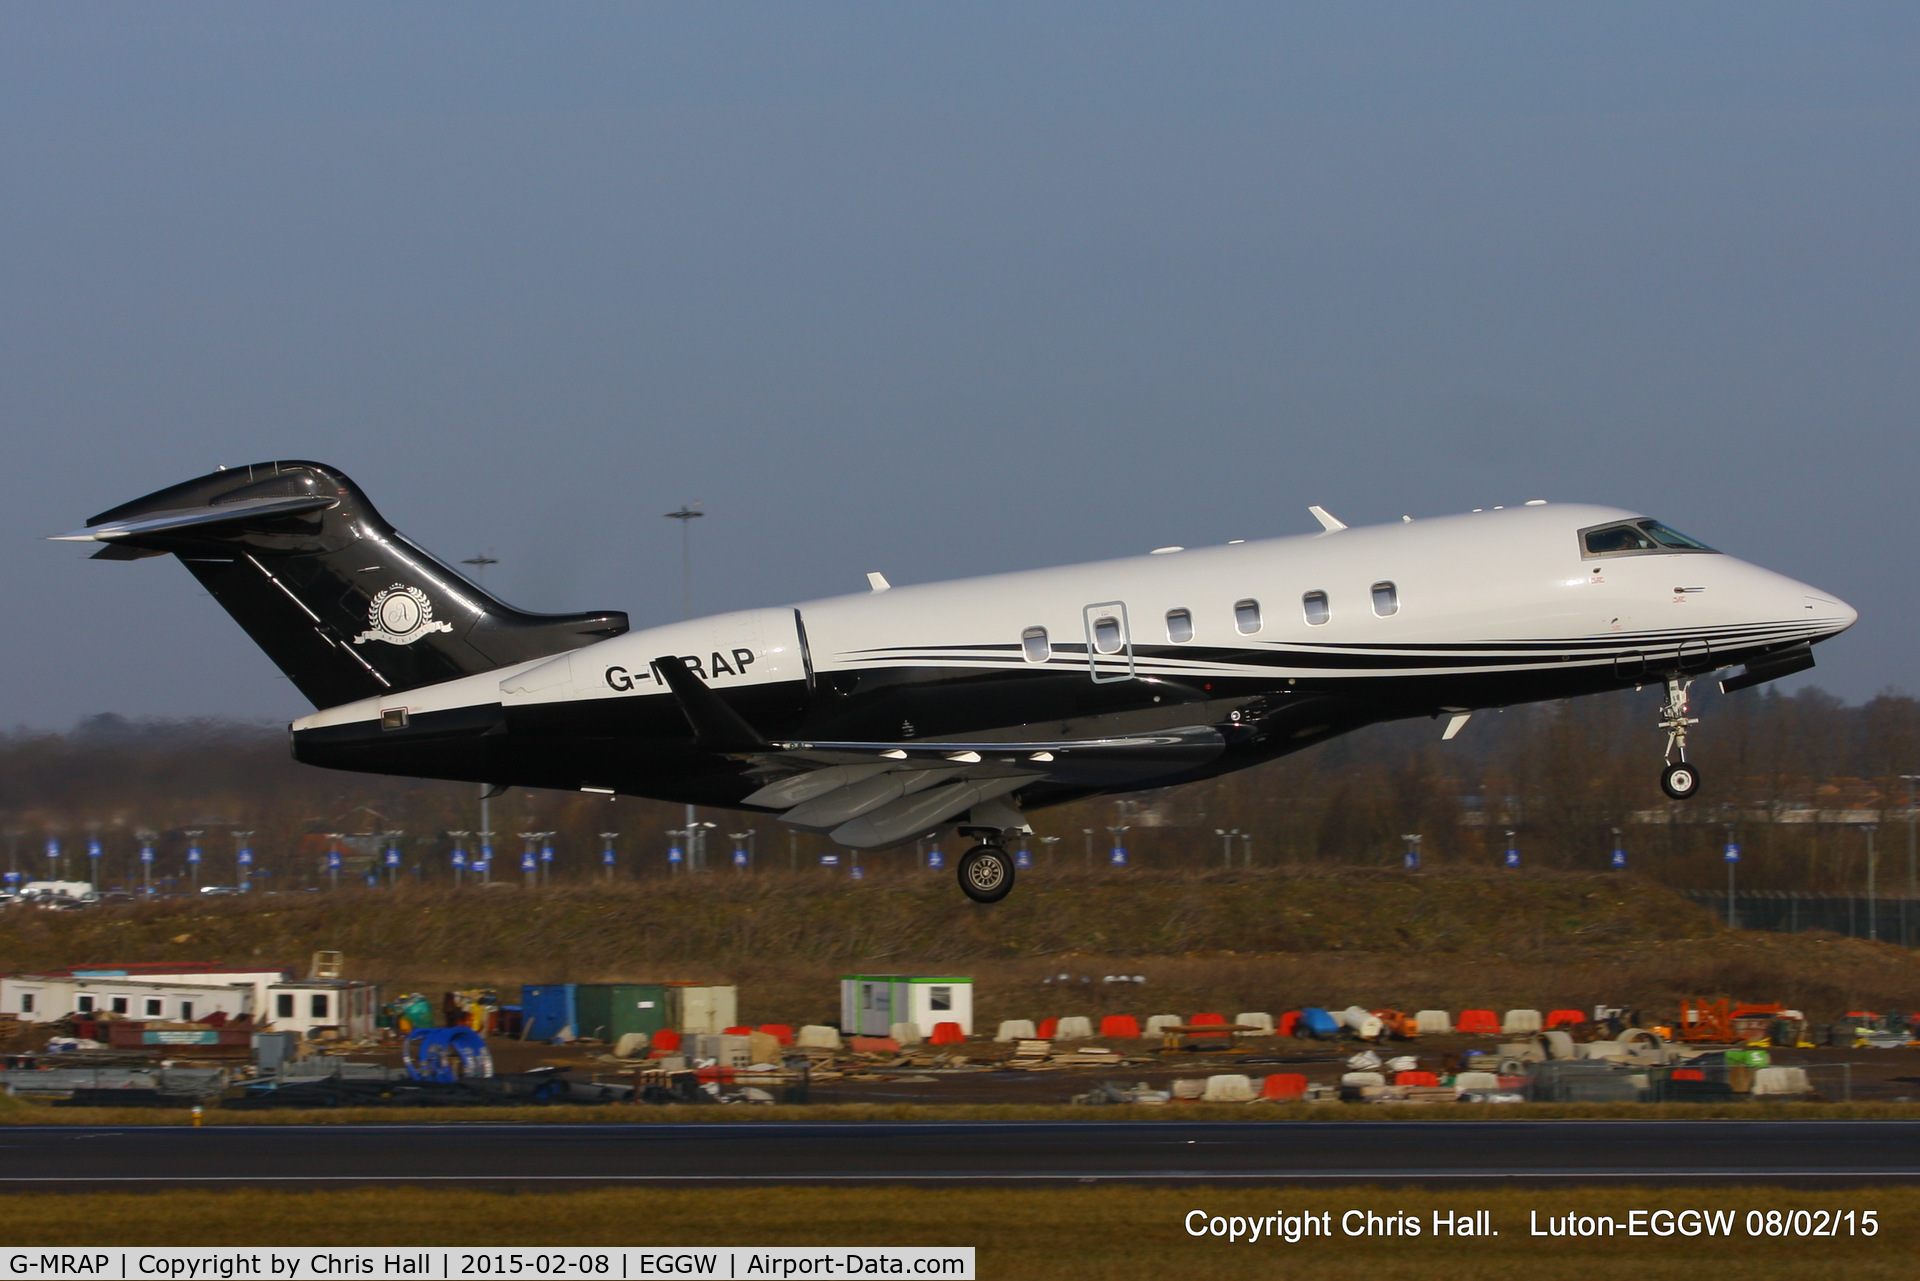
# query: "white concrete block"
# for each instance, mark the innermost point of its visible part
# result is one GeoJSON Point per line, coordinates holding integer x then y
{"type": "Point", "coordinates": [1262, 1023]}
{"type": "Point", "coordinates": [1781, 1080]}
{"type": "Point", "coordinates": [905, 1033]}
{"type": "Point", "coordinates": [814, 1036]}
{"type": "Point", "coordinates": [1476, 1081]}
{"type": "Point", "coordinates": [1014, 1030]}
{"type": "Point", "coordinates": [1189, 1088]}
{"type": "Point", "coordinates": [1599, 1049]}
{"type": "Point", "coordinates": [1157, 1022]}
{"type": "Point", "coordinates": [1229, 1088]}
{"type": "Point", "coordinates": [1518, 1021]}
{"type": "Point", "coordinates": [1363, 1078]}
{"type": "Point", "coordinates": [1432, 1023]}
{"type": "Point", "coordinates": [1074, 1027]}
{"type": "Point", "coordinates": [631, 1045]}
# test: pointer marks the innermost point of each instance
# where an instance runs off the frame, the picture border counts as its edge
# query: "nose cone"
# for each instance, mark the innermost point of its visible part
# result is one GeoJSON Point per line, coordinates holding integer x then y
{"type": "Point", "coordinates": [1828, 612]}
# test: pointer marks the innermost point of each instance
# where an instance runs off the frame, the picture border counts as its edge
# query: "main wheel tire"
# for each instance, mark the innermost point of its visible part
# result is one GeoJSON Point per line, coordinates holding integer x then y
{"type": "Point", "coordinates": [986, 874]}
{"type": "Point", "coordinates": [1680, 781]}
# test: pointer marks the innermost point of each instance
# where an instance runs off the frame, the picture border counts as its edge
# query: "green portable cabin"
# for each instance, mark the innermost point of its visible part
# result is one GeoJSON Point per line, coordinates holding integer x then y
{"type": "Point", "coordinates": [608, 1011]}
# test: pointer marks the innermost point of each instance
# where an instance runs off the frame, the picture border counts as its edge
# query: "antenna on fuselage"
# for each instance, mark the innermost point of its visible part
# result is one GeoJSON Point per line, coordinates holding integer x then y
{"type": "Point", "coordinates": [1327, 521]}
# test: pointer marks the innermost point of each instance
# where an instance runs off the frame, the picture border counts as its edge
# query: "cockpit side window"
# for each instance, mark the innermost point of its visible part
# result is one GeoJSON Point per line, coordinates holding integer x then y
{"type": "Point", "coordinates": [1638, 537]}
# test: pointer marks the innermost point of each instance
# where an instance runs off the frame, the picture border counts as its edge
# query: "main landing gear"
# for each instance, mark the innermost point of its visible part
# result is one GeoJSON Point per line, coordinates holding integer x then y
{"type": "Point", "coordinates": [1679, 779]}
{"type": "Point", "coordinates": [986, 870]}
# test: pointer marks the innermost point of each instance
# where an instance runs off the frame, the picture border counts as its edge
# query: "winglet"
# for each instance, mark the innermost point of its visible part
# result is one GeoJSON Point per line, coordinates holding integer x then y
{"type": "Point", "coordinates": [878, 582]}
{"type": "Point", "coordinates": [1327, 521]}
{"type": "Point", "coordinates": [716, 727]}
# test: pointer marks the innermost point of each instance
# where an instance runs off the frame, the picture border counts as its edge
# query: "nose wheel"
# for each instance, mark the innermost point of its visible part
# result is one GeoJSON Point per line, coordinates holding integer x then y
{"type": "Point", "coordinates": [1679, 779]}
{"type": "Point", "coordinates": [986, 874]}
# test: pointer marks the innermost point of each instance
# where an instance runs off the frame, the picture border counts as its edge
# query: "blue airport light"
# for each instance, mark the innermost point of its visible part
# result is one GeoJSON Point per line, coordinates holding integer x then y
{"type": "Point", "coordinates": [1513, 851]}
{"type": "Point", "coordinates": [936, 859]}
{"type": "Point", "coordinates": [146, 853]}
{"type": "Point", "coordinates": [193, 853]}
{"type": "Point", "coordinates": [393, 857]}
{"type": "Point", "coordinates": [675, 855]}
{"type": "Point", "coordinates": [1732, 854]}
{"type": "Point", "coordinates": [526, 862]}
{"type": "Point", "coordinates": [244, 857]}
{"type": "Point", "coordinates": [546, 853]}
{"type": "Point", "coordinates": [858, 873]}
{"type": "Point", "coordinates": [1023, 857]}
{"type": "Point", "coordinates": [53, 847]}
{"type": "Point", "coordinates": [606, 856]}
{"type": "Point", "coordinates": [829, 860]}
{"type": "Point", "coordinates": [459, 857]}
{"type": "Point", "coordinates": [13, 878]}
{"type": "Point", "coordinates": [739, 856]}
{"type": "Point", "coordinates": [94, 852]}
{"type": "Point", "coordinates": [1412, 858]}
{"type": "Point", "coordinates": [1119, 856]}
{"type": "Point", "coordinates": [334, 861]}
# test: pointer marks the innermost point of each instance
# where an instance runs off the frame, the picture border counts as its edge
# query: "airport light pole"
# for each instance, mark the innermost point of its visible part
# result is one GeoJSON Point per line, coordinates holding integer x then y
{"type": "Point", "coordinates": [1088, 831]}
{"type": "Point", "coordinates": [607, 855]}
{"type": "Point", "coordinates": [333, 859]}
{"type": "Point", "coordinates": [146, 837]}
{"type": "Point", "coordinates": [1246, 849]}
{"type": "Point", "coordinates": [1513, 851]}
{"type": "Point", "coordinates": [1619, 860]}
{"type": "Point", "coordinates": [1913, 885]}
{"type": "Point", "coordinates": [528, 866]}
{"type": "Point", "coordinates": [94, 852]}
{"type": "Point", "coordinates": [1119, 856]}
{"type": "Point", "coordinates": [546, 856]}
{"type": "Point", "coordinates": [458, 859]}
{"type": "Point", "coordinates": [53, 858]}
{"type": "Point", "coordinates": [686, 515]}
{"type": "Point", "coordinates": [193, 835]}
{"type": "Point", "coordinates": [1411, 858]}
{"type": "Point", "coordinates": [1732, 857]}
{"type": "Point", "coordinates": [1226, 836]}
{"type": "Point", "coordinates": [676, 860]}
{"type": "Point", "coordinates": [742, 849]}
{"type": "Point", "coordinates": [1873, 867]}
{"type": "Point", "coordinates": [243, 859]}
{"type": "Point", "coordinates": [1049, 842]}
{"type": "Point", "coordinates": [392, 858]}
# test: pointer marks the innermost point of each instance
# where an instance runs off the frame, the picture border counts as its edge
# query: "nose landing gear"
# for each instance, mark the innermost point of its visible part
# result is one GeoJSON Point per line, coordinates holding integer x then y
{"type": "Point", "coordinates": [1679, 779]}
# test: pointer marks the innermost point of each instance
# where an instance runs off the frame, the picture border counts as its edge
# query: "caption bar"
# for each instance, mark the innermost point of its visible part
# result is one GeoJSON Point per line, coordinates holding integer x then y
{"type": "Point", "coordinates": [722, 1263]}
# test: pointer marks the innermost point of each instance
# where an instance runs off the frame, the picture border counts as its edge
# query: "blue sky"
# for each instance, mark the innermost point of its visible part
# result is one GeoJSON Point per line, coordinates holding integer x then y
{"type": "Point", "coordinates": [939, 290]}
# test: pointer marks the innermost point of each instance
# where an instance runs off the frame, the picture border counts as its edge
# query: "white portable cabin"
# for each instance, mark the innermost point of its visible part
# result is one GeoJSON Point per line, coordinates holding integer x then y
{"type": "Point", "coordinates": [314, 1005]}
{"type": "Point", "coordinates": [708, 1008]}
{"type": "Point", "coordinates": [870, 1004]}
{"type": "Point", "coordinates": [133, 993]}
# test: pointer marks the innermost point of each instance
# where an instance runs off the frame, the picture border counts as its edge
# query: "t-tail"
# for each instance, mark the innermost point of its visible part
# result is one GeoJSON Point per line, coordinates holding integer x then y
{"type": "Point", "coordinates": [339, 600]}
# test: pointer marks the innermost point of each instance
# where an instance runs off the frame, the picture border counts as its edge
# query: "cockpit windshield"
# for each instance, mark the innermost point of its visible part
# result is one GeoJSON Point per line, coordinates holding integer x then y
{"type": "Point", "coordinates": [1637, 537]}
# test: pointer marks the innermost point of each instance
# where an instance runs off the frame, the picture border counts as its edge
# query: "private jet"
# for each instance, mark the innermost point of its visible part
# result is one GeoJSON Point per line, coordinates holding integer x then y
{"type": "Point", "coordinates": [900, 712]}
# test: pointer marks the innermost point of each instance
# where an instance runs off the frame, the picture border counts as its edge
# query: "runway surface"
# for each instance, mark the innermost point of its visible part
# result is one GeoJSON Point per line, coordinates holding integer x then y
{"type": "Point", "coordinates": [77, 1157]}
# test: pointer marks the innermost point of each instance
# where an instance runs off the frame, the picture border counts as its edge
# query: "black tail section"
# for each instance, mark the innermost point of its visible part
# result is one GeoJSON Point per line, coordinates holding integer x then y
{"type": "Point", "coordinates": [343, 604]}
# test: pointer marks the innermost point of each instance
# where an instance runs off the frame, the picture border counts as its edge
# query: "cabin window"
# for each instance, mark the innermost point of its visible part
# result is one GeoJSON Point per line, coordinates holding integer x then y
{"type": "Point", "coordinates": [1314, 605]}
{"type": "Point", "coordinates": [26, 1002]}
{"type": "Point", "coordinates": [1106, 634]}
{"type": "Point", "coordinates": [393, 718]}
{"type": "Point", "coordinates": [1179, 626]}
{"type": "Point", "coordinates": [1386, 599]}
{"type": "Point", "coordinates": [1246, 616]}
{"type": "Point", "coordinates": [317, 1007]}
{"type": "Point", "coordinates": [153, 1007]}
{"type": "Point", "coordinates": [119, 1005]}
{"type": "Point", "coordinates": [283, 1005]}
{"type": "Point", "coordinates": [84, 1005]}
{"type": "Point", "coordinates": [941, 999]}
{"type": "Point", "coordinates": [1034, 642]}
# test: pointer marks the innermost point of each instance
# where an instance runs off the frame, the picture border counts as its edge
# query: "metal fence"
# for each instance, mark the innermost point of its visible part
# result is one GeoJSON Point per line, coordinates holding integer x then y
{"type": "Point", "coordinates": [1891, 920]}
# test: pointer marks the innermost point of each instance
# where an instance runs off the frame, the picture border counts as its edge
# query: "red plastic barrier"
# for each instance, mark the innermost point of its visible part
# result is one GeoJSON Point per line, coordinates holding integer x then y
{"type": "Point", "coordinates": [1047, 1028]}
{"type": "Point", "coordinates": [947, 1034]}
{"type": "Point", "coordinates": [715, 1073]}
{"type": "Point", "coordinates": [1208, 1020]}
{"type": "Point", "coordinates": [1689, 1074]}
{"type": "Point", "coordinates": [1415, 1078]}
{"type": "Point", "coordinates": [1284, 1087]}
{"type": "Point", "coordinates": [1119, 1027]}
{"type": "Point", "coordinates": [873, 1045]}
{"type": "Point", "coordinates": [779, 1032]}
{"type": "Point", "coordinates": [1288, 1022]}
{"type": "Point", "coordinates": [739, 1031]}
{"type": "Point", "coordinates": [665, 1041]}
{"type": "Point", "coordinates": [1478, 1023]}
{"type": "Point", "coordinates": [1564, 1018]}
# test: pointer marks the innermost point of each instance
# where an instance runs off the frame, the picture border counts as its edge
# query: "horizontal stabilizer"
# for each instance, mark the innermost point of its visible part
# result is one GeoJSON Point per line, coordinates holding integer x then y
{"type": "Point", "coordinates": [1770, 668]}
{"type": "Point", "coordinates": [246, 511]}
{"type": "Point", "coordinates": [716, 727]}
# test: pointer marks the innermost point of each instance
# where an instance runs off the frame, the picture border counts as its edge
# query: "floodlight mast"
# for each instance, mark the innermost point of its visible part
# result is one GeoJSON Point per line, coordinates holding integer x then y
{"type": "Point", "coordinates": [686, 515]}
